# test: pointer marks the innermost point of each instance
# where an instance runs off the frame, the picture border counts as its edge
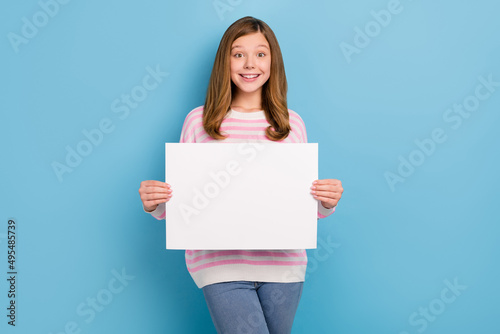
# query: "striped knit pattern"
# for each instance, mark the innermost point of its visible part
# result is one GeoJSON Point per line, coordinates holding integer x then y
{"type": "Point", "coordinates": [214, 266]}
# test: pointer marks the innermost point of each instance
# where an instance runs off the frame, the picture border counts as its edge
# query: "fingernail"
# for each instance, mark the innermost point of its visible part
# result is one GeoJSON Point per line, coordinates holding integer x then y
{"type": "Point", "coordinates": [315, 182]}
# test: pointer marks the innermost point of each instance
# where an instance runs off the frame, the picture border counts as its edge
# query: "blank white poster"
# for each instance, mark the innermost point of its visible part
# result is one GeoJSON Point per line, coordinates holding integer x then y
{"type": "Point", "coordinates": [241, 195]}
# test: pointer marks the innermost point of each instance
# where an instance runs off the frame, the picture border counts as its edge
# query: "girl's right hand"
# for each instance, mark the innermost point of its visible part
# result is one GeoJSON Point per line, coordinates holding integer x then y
{"type": "Point", "coordinates": [153, 193]}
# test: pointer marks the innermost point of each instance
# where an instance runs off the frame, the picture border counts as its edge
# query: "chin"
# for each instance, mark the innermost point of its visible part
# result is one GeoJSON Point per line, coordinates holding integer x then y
{"type": "Point", "coordinates": [248, 89]}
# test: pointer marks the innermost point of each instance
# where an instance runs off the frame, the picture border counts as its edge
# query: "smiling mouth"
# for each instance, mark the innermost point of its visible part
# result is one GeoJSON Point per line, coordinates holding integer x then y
{"type": "Point", "coordinates": [249, 76]}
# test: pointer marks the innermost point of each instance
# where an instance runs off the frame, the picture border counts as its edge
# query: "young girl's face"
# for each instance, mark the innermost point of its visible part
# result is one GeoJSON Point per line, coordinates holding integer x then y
{"type": "Point", "coordinates": [250, 62]}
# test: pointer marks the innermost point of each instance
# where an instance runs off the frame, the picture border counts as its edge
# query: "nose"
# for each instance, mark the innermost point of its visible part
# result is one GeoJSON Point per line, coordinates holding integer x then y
{"type": "Point", "coordinates": [249, 63]}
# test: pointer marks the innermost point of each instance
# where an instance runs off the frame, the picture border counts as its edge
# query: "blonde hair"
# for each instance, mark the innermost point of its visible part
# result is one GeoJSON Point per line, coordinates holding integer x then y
{"type": "Point", "coordinates": [221, 88]}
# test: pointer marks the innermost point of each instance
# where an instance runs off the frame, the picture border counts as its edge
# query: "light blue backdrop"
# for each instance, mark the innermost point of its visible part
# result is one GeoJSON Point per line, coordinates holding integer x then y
{"type": "Point", "coordinates": [402, 97]}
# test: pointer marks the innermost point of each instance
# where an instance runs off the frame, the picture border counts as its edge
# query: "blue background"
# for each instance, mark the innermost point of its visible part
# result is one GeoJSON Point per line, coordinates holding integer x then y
{"type": "Point", "coordinates": [395, 247]}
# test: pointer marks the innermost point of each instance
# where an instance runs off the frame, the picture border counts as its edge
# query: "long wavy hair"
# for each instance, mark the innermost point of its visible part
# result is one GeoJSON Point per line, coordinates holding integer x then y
{"type": "Point", "coordinates": [221, 88]}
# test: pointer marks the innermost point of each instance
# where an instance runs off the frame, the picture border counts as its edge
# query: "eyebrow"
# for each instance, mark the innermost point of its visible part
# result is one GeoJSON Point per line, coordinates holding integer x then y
{"type": "Point", "coordinates": [262, 45]}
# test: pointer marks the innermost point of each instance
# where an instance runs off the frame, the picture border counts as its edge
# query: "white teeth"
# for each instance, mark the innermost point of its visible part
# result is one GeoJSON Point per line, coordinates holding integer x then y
{"type": "Point", "coordinates": [250, 76]}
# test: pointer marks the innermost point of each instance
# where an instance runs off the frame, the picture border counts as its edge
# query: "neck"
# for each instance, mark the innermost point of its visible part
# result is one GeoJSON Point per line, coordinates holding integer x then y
{"type": "Point", "coordinates": [247, 102]}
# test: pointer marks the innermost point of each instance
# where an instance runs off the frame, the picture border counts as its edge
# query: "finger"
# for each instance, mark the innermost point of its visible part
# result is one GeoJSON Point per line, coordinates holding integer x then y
{"type": "Point", "coordinates": [151, 190]}
{"type": "Point", "coordinates": [155, 196]}
{"type": "Point", "coordinates": [156, 202]}
{"type": "Point", "coordinates": [154, 183]}
{"type": "Point", "coordinates": [333, 189]}
{"type": "Point", "coordinates": [327, 181]}
{"type": "Point", "coordinates": [156, 199]}
{"type": "Point", "coordinates": [329, 187]}
{"type": "Point", "coordinates": [326, 200]}
{"type": "Point", "coordinates": [327, 194]}
{"type": "Point", "coordinates": [327, 205]}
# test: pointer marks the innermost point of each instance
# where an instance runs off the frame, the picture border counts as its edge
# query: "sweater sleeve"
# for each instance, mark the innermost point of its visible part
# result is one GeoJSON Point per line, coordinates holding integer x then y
{"type": "Point", "coordinates": [159, 212]}
{"type": "Point", "coordinates": [299, 126]}
{"type": "Point", "coordinates": [187, 136]}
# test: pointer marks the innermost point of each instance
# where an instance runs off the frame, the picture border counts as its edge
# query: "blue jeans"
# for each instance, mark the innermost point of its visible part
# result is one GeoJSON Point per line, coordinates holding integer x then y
{"type": "Point", "coordinates": [244, 307]}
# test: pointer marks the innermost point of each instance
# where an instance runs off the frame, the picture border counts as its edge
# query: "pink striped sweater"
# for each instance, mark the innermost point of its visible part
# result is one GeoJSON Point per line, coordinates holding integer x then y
{"type": "Point", "coordinates": [213, 266]}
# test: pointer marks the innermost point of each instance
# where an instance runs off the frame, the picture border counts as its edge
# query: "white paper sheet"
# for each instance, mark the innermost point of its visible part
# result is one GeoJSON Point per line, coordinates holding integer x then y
{"type": "Point", "coordinates": [241, 195]}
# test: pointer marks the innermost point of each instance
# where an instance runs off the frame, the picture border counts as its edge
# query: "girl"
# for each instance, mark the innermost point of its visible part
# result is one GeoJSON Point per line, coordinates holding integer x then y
{"type": "Point", "coordinates": [247, 291]}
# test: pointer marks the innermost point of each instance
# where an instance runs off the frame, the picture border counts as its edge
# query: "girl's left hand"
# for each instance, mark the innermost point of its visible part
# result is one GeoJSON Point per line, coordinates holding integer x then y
{"type": "Point", "coordinates": [328, 191]}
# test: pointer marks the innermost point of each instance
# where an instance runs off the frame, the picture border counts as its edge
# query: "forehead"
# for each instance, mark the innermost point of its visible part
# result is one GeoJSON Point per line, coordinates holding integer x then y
{"type": "Point", "coordinates": [253, 40]}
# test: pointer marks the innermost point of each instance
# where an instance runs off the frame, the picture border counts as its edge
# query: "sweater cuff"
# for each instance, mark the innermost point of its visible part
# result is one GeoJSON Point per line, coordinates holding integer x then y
{"type": "Point", "coordinates": [158, 213]}
{"type": "Point", "coordinates": [324, 212]}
